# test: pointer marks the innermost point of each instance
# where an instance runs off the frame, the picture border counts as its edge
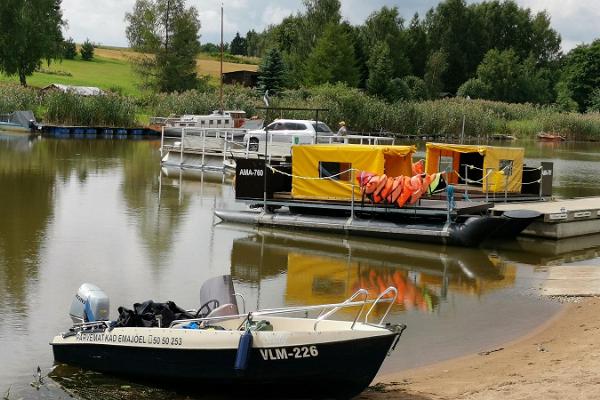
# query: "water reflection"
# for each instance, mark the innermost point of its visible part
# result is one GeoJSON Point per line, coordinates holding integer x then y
{"type": "Point", "coordinates": [327, 269]}
{"type": "Point", "coordinates": [25, 180]}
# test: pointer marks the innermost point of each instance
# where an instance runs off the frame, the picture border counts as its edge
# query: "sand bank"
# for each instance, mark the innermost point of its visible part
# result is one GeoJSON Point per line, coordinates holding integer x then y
{"type": "Point", "coordinates": [559, 360]}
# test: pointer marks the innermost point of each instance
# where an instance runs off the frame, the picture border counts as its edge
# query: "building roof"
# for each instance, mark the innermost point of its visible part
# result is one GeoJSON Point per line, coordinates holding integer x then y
{"type": "Point", "coordinates": [80, 90]}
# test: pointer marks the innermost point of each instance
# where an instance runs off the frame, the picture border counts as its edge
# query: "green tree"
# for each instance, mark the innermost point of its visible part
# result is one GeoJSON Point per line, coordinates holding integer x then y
{"type": "Point", "coordinates": [510, 79]}
{"type": "Point", "coordinates": [581, 73]}
{"type": "Point", "coordinates": [87, 50]}
{"type": "Point", "coordinates": [386, 25]}
{"type": "Point", "coordinates": [166, 33]}
{"type": "Point", "coordinates": [398, 90]}
{"type": "Point", "coordinates": [564, 97]}
{"type": "Point", "coordinates": [69, 49]}
{"type": "Point", "coordinates": [332, 59]}
{"type": "Point", "coordinates": [594, 101]}
{"type": "Point", "coordinates": [30, 31]}
{"type": "Point", "coordinates": [380, 70]}
{"type": "Point", "coordinates": [435, 69]}
{"type": "Point", "coordinates": [417, 90]}
{"type": "Point", "coordinates": [252, 43]}
{"type": "Point", "coordinates": [271, 72]}
{"type": "Point", "coordinates": [474, 88]}
{"type": "Point", "coordinates": [453, 28]}
{"type": "Point", "coordinates": [238, 45]}
{"type": "Point", "coordinates": [416, 38]}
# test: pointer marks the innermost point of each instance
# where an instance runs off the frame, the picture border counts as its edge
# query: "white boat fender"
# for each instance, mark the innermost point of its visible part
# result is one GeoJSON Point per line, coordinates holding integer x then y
{"type": "Point", "coordinates": [244, 347]}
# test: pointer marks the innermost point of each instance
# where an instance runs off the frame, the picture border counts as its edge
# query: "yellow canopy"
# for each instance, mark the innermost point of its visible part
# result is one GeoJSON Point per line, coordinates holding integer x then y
{"type": "Point", "coordinates": [312, 163]}
{"type": "Point", "coordinates": [498, 162]}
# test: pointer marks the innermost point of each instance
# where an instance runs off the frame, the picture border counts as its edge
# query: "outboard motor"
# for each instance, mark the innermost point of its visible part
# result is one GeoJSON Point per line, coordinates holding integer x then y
{"type": "Point", "coordinates": [89, 304]}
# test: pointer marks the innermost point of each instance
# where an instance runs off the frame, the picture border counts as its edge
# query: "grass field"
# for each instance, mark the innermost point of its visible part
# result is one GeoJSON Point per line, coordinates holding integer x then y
{"type": "Point", "coordinates": [111, 68]}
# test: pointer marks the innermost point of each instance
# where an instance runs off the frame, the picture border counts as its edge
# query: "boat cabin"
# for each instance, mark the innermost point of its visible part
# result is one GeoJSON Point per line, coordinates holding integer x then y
{"type": "Point", "coordinates": [330, 171]}
{"type": "Point", "coordinates": [490, 168]}
{"type": "Point", "coordinates": [324, 172]}
{"type": "Point", "coordinates": [227, 119]}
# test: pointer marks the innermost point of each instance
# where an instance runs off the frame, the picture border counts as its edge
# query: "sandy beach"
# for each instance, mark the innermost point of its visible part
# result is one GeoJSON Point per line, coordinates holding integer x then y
{"type": "Point", "coordinates": [559, 360]}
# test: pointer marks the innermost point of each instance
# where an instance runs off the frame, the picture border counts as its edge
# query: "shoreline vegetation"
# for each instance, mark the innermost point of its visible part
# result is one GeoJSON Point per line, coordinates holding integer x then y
{"type": "Point", "coordinates": [362, 113]}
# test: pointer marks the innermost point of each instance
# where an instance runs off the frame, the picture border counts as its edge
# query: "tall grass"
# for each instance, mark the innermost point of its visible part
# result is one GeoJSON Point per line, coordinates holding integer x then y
{"type": "Point", "coordinates": [15, 98]}
{"type": "Point", "coordinates": [105, 110]}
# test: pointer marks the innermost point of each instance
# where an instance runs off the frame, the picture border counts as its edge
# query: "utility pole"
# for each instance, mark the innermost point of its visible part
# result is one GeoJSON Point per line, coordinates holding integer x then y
{"type": "Point", "coordinates": [221, 75]}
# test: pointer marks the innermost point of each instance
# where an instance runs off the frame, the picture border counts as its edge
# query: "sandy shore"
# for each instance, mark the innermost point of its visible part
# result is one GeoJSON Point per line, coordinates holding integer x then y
{"type": "Point", "coordinates": [560, 360]}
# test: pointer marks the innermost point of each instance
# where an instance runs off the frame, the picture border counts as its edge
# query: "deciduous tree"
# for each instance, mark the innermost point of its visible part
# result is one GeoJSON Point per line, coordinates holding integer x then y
{"type": "Point", "coordinates": [332, 59]}
{"type": "Point", "coordinates": [30, 31]}
{"type": "Point", "coordinates": [380, 70]}
{"type": "Point", "coordinates": [166, 32]}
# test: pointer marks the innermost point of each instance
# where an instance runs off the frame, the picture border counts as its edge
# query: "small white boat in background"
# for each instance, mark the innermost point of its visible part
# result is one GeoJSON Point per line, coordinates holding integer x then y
{"type": "Point", "coordinates": [18, 121]}
{"type": "Point", "coordinates": [218, 347]}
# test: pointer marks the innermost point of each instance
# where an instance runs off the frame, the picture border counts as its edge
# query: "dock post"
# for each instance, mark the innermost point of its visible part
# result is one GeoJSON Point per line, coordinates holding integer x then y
{"type": "Point", "coordinates": [162, 141]}
{"type": "Point", "coordinates": [352, 203]}
{"type": "Point", "coordinates": [540, 182]}
{"type": "Point", "coordinates": [466, 196]}
{"type": "Point", "coordinates": [505, 187]}
{"type": "Point", "coordinates": [487, 184]}
{"type": "Point", "coordinates": [265, 170]}
{"type": "Point", "coordinates": [203, 146]}
{"type": "Point", "coordinates": [181, 147]}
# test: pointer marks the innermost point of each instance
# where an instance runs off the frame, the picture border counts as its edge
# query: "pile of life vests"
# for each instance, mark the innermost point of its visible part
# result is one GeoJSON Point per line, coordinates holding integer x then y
{"type": "Point", "coordinates": [399, 190]}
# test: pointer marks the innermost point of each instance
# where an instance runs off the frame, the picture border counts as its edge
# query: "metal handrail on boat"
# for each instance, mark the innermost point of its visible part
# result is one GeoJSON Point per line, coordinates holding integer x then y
{"type": "Point", "coordinates": [274, 311]}
{"type": "Point", "coordinates": [378, 299]}
{"type": "Point", "coordinates": [335, 309]}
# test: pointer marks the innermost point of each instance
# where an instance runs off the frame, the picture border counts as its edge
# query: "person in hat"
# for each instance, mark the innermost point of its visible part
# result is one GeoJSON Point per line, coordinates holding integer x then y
{"type": "Point", "coordinates": [342, 131]}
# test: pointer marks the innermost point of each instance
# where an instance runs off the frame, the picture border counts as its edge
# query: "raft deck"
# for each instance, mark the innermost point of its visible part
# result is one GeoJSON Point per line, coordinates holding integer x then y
{"type": "Point", "coordinates": [424, 208]}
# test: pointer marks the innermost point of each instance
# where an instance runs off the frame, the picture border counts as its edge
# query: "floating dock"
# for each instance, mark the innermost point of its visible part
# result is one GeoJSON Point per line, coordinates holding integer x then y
{"type": "Point", "coordinates": [93, 132]}
{"type": "Point", "coordinates": [560, 218]}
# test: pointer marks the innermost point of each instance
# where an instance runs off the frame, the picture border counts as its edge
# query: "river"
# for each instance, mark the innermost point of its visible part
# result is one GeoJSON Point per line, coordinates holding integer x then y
{"type": "Point", "coordinates": [101, 211]}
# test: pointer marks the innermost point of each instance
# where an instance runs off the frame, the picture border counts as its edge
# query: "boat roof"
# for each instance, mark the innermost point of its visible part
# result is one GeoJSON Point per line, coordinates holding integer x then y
{"type": "Point", "coordinates": [471, 148]}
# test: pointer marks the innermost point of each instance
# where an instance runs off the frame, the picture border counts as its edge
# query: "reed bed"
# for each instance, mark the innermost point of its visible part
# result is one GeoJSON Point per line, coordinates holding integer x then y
{"type": "Point", "coordinates": [105, 110]}
{"type": "Point", "coordinates": [15, 98]}
{"type": "Point", "coordinates": [362, 113]}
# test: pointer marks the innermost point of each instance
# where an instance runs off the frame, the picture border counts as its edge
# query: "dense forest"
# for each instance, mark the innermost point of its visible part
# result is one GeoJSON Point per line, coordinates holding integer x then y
{"type": "Point", "coordinates": [491, 50]}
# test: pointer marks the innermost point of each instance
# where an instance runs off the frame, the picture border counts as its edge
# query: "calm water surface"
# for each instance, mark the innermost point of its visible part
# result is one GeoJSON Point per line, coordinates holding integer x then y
{"type": "Point", "coordinates": [101, 211]}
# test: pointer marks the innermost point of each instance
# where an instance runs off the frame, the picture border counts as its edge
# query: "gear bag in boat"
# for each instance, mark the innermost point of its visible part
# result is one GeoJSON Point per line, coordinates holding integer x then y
{"type": "Point", "coordinates": [150, 314]}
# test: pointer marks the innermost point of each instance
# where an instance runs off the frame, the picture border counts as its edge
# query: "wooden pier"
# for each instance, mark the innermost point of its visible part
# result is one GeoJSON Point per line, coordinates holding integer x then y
{"type": "Point", "coordinates": [561, 218]}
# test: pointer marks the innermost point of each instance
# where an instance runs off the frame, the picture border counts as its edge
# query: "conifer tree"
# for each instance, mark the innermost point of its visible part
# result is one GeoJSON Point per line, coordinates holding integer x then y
{"type": "Point", "coordinates": [271, 72]}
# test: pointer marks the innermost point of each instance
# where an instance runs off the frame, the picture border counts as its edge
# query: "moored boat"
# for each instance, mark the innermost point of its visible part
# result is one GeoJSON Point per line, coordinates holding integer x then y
{"type": "Point", "coordinates": [216, 347]}
{"type": "Point", "coordinates": [327, 189]}
{"type": "Point", "coordinates": [550, 137]}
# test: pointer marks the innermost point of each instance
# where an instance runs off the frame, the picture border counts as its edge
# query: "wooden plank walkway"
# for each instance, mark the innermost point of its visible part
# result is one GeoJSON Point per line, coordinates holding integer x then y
{"type": "Point", "coordinates": [574, 280]}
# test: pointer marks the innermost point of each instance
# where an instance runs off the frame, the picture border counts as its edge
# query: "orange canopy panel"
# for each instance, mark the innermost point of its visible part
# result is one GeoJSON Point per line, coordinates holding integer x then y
{"type": "Point", "coordinates": [328, 171]}
{"type": "Point", "coordinates": [502, 166]}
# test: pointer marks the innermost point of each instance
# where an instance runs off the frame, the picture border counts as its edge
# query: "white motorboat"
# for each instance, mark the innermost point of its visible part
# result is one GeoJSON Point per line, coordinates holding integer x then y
{"type": "Point", "coordinates": [215, 346]}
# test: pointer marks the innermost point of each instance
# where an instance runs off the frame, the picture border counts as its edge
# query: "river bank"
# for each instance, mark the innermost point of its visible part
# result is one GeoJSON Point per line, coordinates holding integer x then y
{"type": "Point", "coordinates": [557, 361]}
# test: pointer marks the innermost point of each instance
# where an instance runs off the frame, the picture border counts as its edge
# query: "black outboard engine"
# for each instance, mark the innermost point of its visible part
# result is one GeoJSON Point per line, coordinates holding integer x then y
{"type": "Point", "coordinates": [90, 304]}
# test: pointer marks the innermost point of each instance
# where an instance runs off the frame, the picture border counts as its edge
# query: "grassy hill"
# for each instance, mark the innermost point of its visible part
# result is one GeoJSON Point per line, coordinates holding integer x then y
{"type": "Point", "coordinates": [110, 69]}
